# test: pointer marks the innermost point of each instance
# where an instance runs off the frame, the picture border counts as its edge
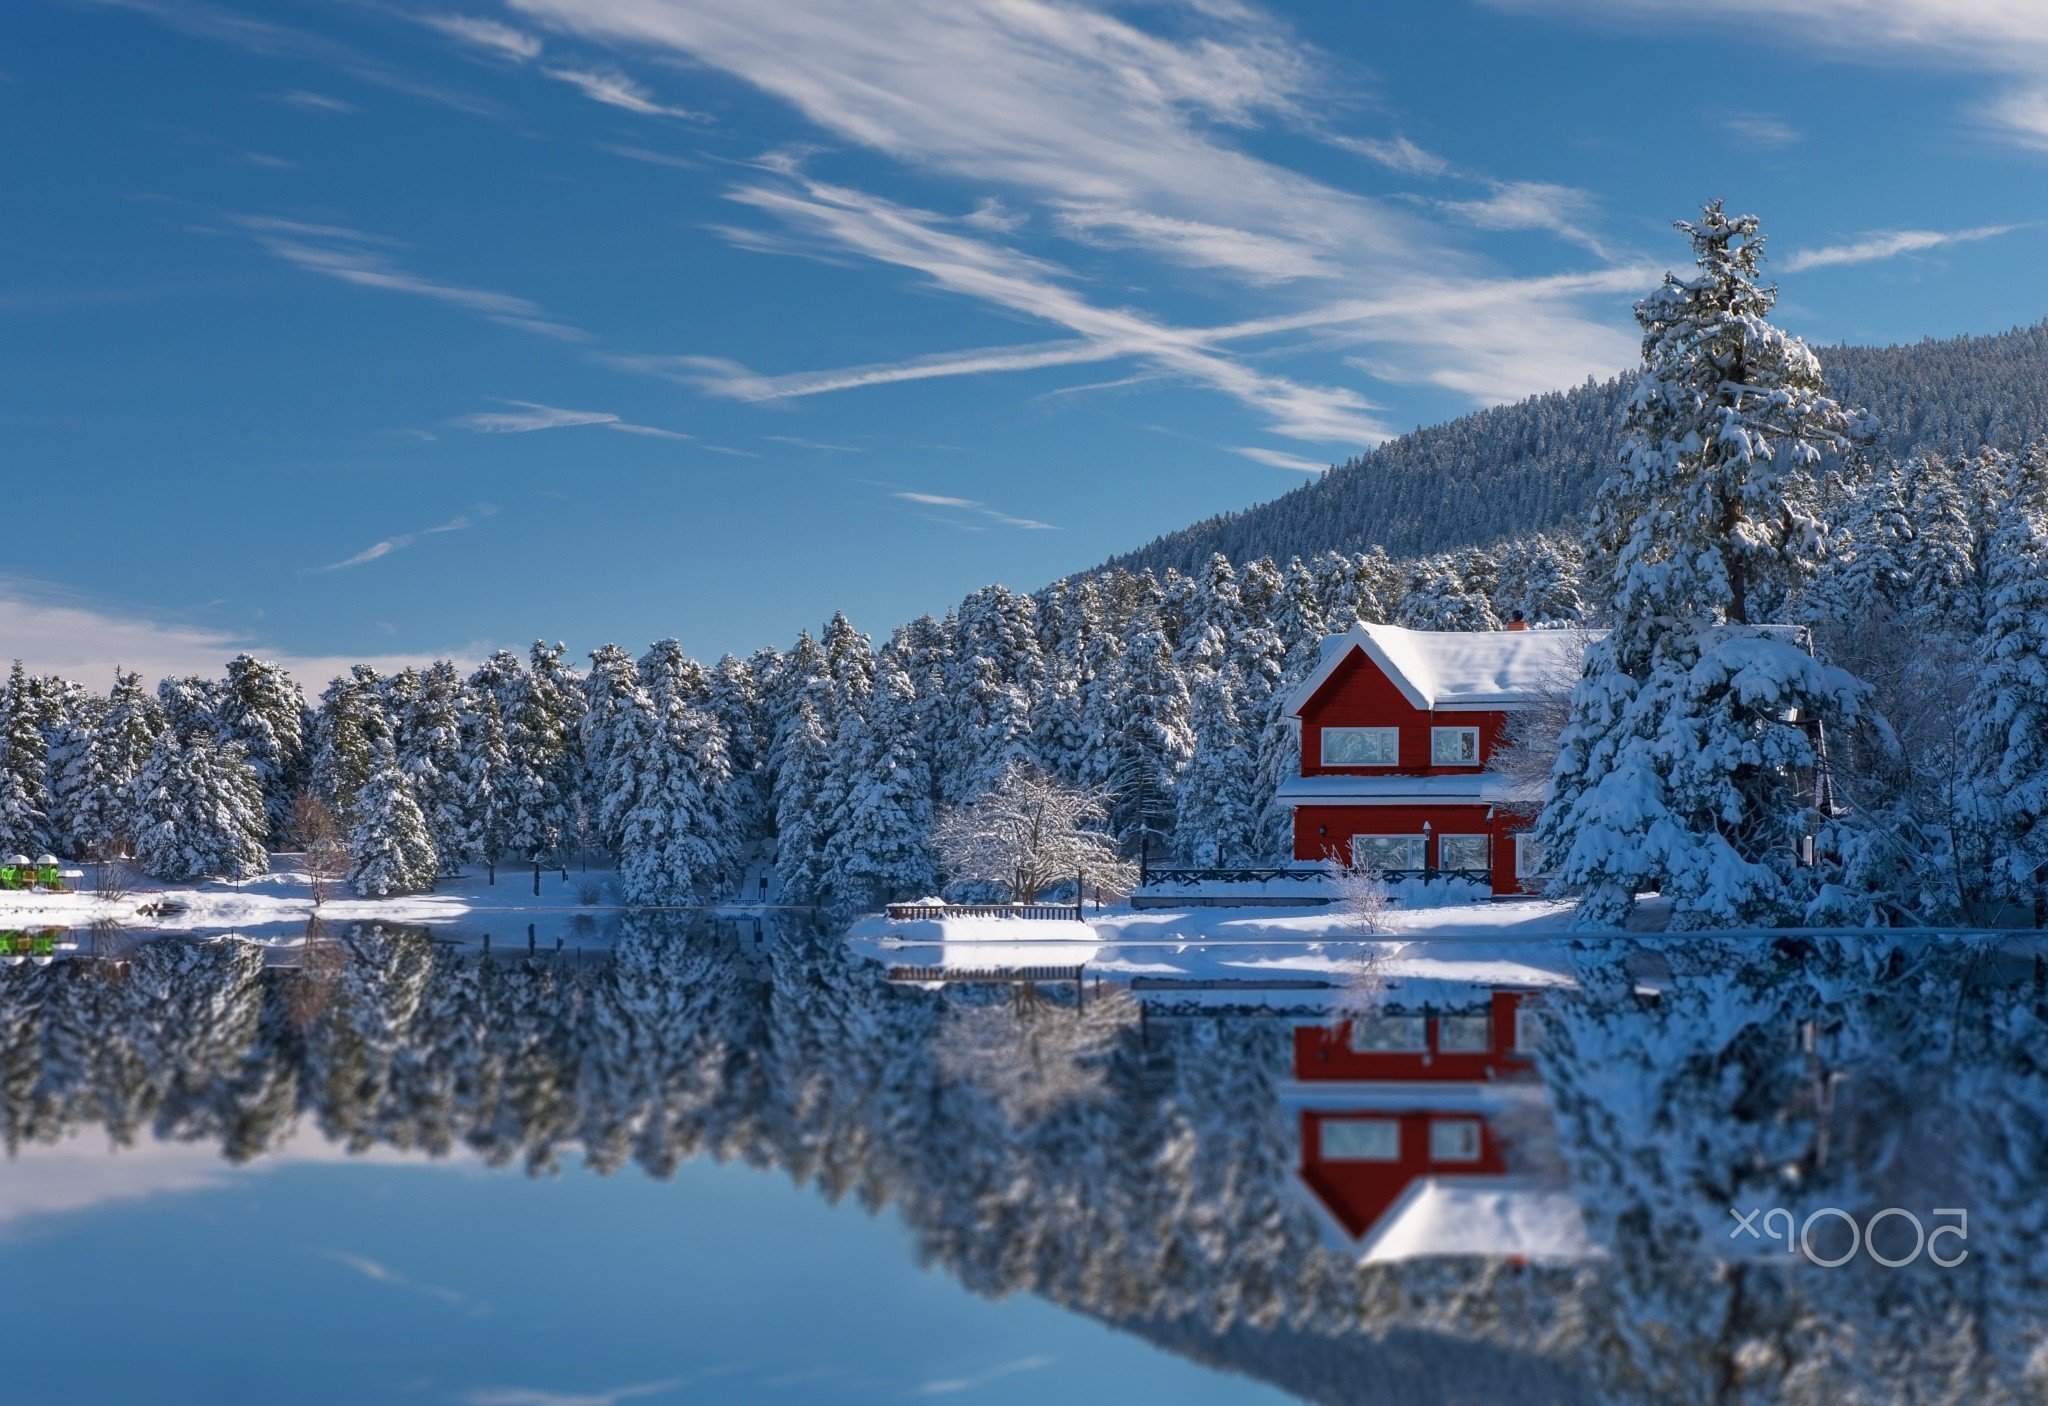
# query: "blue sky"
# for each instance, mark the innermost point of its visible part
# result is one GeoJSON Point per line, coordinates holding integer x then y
{"type": "Point", "coordinates": [351, 329]}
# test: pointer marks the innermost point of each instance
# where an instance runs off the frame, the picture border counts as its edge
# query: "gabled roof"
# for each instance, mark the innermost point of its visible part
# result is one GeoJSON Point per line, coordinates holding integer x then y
{"type": "Point", "coordinates": [1453, 669]}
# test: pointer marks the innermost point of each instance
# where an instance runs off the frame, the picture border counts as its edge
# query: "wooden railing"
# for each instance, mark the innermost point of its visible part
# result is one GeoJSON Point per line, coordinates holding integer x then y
{"type": "Point", "coordinates": [1226, 876]}
{"type": "Point", "coordinates": [912, 912]}
{"type": "Point", "coordinates": [1008, 974]}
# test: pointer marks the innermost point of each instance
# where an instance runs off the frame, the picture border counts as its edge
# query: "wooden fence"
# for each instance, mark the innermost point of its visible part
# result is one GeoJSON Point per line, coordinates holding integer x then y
{"type": "Point", "coordinates": [911, 912]}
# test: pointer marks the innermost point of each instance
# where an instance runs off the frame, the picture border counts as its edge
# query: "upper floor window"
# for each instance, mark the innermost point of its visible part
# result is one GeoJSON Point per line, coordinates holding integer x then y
{"type": "Point", "coordinates": [1464, 1034]}
{"type": "Point", "coordinates": [1361, 746]}
{"type": "Point", "coordinates": [1454, 746]}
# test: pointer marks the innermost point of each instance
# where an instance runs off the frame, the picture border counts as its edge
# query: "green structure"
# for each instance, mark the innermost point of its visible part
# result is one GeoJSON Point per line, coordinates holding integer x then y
{"type": "Point", "coordinates": [16, 872]}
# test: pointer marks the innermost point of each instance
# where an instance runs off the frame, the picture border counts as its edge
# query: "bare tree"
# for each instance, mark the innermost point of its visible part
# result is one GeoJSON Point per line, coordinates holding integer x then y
{"type": "Point", "coordinates": [316, 830]}
{"type": "Point", "coordinates": [1527, 749]}
{"type": "Point", "coordinates": [112, 879]}
{"type": "Point", "coordinates": [1032, 1055]}
{"type": "Point", "coordinates": [1031, 832]}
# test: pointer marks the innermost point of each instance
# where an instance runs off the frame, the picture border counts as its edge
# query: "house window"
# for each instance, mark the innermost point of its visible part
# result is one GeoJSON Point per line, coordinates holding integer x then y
{"type": "Point", "coordinates": [1454, 746]}
{"type": "Point", "coordinates": [1530, 861]}
{"type": "Point", "coordinates": [1464, 852]}
{"type": "Point", "coordinates": [1361, 1140]}
{"type": "Point", "coordinates": [1378, 1032]}
{"type": "Point", "coordinates": [1464, 1034]}
{"type": "Point", "coordinates": [1387, 853]}
{"type": "Point", "coordinates": [1361, 746]}
{"type": "Point", "coordinates": [1528, 1026]}
{"type": "Point", "coordinates": [1454, 1140]}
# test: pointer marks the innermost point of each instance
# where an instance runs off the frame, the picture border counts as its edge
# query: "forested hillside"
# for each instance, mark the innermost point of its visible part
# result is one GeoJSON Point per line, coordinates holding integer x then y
{"type": "Point", "coordinates": [1530, 466]}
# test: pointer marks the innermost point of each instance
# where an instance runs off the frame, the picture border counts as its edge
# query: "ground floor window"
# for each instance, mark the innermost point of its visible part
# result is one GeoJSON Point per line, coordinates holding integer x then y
{"type": "Point", "coordinates": [1454, 1140]}
{"type": "Point", "coordinates": [1464, 852]}
{"type": "Point", "coordinates": [1361, 1140]}
{"type": "Point", "coordinates": [1530, 860]}
{"type": "Point", "coordinates": [1387, 852]}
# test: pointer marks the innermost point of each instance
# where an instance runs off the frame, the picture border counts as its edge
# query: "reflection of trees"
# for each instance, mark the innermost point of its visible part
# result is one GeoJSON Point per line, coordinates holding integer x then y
{"type": "Point", "coordinates": [1809, 1073]}
{"type": "Point", "coordinates": [1148, 1178]}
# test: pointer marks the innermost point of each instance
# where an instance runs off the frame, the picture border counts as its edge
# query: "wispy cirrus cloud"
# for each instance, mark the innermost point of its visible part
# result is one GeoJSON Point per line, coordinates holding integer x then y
{"type": "Point", "coordinates": [1121, 136]}
{"type": "Point", "coordinates": [384, 547]}
{"type": "Point", "coordinates": [1564, 211]}
{"type": "Point", "coordinates": [1280, 459]}
{"type": "Point", "coordinates": [378, 1273]}
{"type": "Point", "coordinates": [368, 261]}
{"type": "Point", "coordinates": [616, 90]}
{"type": "Point", "coordinates": [1761, 129]}
{"type": "Point", "coordinates": [2007, 39]}
{"type": "Point", "coordinates": [490, 36]}
{"type": "Point", "coordinates": [972, 508]}
{"type": "Point", "coordinates": [949, 1386]}
{"type": "Point", "coordinates": [528, 416]}
{"type": "Point", "coordinates": [269, 39]}
{"type": "Point", "coordinates": [1887, 244]}
{"type": "Point", "coordinates": [309, 101]}
{"type": "Point", "coordinates": [1396, 153]}
{"type": "Point", "coordinates": [543, 1396]}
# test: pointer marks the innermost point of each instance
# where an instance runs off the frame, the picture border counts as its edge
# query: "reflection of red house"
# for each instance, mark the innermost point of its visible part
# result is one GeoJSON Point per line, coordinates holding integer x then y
{"type": "Point", "coordinates": [1397, 728]}
{"type": "Point", "coordinates": [1402, 1143]}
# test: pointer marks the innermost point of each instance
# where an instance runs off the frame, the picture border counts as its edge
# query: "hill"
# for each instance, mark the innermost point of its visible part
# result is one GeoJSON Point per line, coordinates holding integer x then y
{"type": "Point", "coordinates": [1535, 464]}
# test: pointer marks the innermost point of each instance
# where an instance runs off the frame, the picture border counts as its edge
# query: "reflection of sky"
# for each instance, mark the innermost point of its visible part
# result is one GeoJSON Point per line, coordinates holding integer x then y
{"type": "Point", "coordinates": [317, 1280]}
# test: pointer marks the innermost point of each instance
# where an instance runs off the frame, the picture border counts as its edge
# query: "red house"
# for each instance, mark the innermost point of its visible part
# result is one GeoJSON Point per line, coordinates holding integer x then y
{"type": "Point", "coordinates": [1403, 1149]}
{"type": "Point", "coordinates": [1397, 728]}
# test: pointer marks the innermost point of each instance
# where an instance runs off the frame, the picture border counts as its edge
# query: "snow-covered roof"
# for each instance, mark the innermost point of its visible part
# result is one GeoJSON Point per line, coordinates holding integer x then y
{"type": "Point", "coordinates": [1481, 788]}
{"type": "Point", "coordinates": [1491, 1217]}
{"type": "Point", "coordinates": [1456, 669]}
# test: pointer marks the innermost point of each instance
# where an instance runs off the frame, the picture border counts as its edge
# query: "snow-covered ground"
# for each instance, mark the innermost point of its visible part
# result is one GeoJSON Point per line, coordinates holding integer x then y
{"type": "Point", "coordinates": [275, 906]}
{"type": "Point", "coordinates": [1485, 943]}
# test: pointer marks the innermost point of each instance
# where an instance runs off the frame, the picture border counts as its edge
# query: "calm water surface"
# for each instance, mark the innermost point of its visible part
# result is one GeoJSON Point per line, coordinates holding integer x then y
{"type": "Point", "coordinates": [682, 1162]}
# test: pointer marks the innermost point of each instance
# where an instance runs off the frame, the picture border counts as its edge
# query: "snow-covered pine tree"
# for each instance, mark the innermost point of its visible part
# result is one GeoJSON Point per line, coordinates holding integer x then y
{"type": "Point", "coordinates": [132, 722]}
{"type": "Point", "coordinates": [996, 672]}
{"type": "Point", "coordinates": [676, 844]}
{"type": "Point", "coordinates": [70, 738]}
{"type": "Point", "coordinates": [192, 704]}
{"type": "Point", "coordinates": [1218, 813]}
{"type": "Point", "coordinates": [262, 710]}
{"type": "Point", "coordinates": [616, 717]}
{"type": "Point", "coordinates": [389, 848]}
{"type": "Point", "coordinates": [1677, 767]}
{"type": "Point", "coordinates": [485, 765]}
{"type": "Point", "coordinates": [734, 696]}
{"type": "Point", "coordinates": [1438, 598]}
{"type": "Point", "coordinates": [426, 717]}
{"type": "Point", "coordinates": [1539, 581]}
{"type": "Point", "coordinates": [346, 727]}
{"type": "Point", "coordinates": [877, 849]}
{"type": "Point", "coordinates": [2007, 728]}
{"type": "Point", "coordinates": [24, 778]}
{"type": "Point", "coordinates": [548, 730]}
{"type": "Point", "coordinates": [197, 811]}
{"type": "Point", "coordinates": [801, 828]}
{"type": "Point", "coordinates": [1150, 743]}
{"type": "Point", "coordinates": [849, 663]}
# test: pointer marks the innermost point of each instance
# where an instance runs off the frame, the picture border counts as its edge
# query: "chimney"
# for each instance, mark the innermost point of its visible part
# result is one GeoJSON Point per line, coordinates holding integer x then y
{"type": "Point", "coordinates": [1516, 622]}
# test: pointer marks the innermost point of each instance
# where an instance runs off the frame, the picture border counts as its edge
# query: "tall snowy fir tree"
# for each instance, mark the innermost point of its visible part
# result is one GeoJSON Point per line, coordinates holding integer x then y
{"type": "Point", "coordinates": [801, 834]}
{"type": "Point", "coordinates": [1149, 742]}
{"type": "Point", "coordinates": [24, 756]}
{"type": "Point", "coordinates": [878, 846]}
{"type": "Point", "coordinates": [485, 764]}
{"type": "Point", "coordinates": [1218, 812]}
{"type": "Point", "coordinates": [2007, 730]}
{"type": "Point", "coordinates": [426, 719]}
{"type": "Point", "coordinates": [346, 728]}
{"type": "Point", "coordinates": [1678, 766]}
{"type": "Point", "coordinates": [616, 719]}
{"type": "Point", "coordinates": [676, 843]}
{"type": "Point", "coordinates": [263, 712]}
{"type": "Point", "coordinates": [389, 847]}
{"type": "Point", "coordinates": [196, 810]}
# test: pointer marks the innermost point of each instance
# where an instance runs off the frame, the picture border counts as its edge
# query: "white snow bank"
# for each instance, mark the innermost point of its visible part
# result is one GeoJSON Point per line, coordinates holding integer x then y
{"type": "Point", "coordinates": [1480, 1216]}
